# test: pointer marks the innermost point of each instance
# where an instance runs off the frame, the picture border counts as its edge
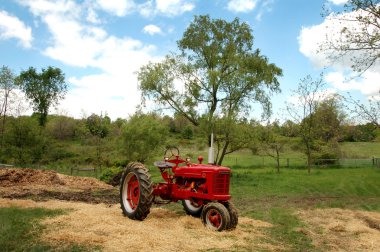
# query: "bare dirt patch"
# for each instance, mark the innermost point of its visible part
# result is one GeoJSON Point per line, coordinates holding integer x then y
{"type": "Point", "coordinates": [163, 230]}
{"type": "Point", "coordinates": [43, 185]}
{"type": "Point", "coordinates": [342, 230]}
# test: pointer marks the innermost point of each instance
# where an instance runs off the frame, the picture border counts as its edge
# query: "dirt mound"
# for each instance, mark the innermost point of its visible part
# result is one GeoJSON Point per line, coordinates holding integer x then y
{"type": "Point", "coordinates": [343, 230]}
{"type": "Point", "coordinates": [12, 177]}
{"type": "Point", "coordinates": [26, 176]}
{"type": "Point", "coordinates": [45, 184]}
{"type": "Point", "coordinates": [163, 230]}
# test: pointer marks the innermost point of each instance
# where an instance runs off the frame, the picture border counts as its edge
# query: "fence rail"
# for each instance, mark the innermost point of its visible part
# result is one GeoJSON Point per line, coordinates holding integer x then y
{"type": "Point", "coordinates": [266, 161]}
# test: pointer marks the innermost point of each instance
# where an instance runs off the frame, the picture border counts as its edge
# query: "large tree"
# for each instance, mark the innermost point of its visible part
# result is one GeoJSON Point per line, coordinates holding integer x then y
{"type": "Point", "coordinates": [217, 74]}
{"type": "Point", "coordinates": [43, 89]}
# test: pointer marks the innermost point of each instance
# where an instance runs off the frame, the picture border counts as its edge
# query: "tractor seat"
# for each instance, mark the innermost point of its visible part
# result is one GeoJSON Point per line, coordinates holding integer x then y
{"type": "Point", "coordinates": [163, 164]}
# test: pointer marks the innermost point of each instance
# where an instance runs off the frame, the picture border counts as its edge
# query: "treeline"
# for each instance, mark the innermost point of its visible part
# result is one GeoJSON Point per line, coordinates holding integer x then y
{"type": "Point", "coordinates": [97, 140]}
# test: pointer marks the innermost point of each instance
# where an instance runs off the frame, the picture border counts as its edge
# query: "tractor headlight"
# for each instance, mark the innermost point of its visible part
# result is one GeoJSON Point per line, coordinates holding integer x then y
{"type": "Point", "coordinates": [188, 159]}
{"type": "Point", "coordinates": [166, 158]}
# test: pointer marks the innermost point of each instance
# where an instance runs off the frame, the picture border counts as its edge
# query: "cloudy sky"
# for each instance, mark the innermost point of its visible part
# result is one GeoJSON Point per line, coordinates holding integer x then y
{"type": "Point", "coordinates": [100, 44]}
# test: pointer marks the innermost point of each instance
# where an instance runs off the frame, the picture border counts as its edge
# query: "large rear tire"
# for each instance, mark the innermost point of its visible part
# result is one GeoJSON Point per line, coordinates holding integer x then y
{"type": "Point", "coordinates": [234, 218]}
{"type": "Point", "coordinates": [192, 208]}
{"type": "Point", "coordinates": [136, 191]}
{"type": "Point", "coordinates": [215, 216]}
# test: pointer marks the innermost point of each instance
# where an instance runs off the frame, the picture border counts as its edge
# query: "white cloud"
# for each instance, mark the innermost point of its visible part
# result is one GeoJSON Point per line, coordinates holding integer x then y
{"type": "Point", "coordinates": [368, 84]}
{"type": "Point", "coordinates": [117, 7]}
{"type": "Point", "coordinates": [241, 5]}
{"type": "Point", "coordinates": [165, 7]}
{"type": "Point", "coordinates": [338, 2]}
{"type": "Point", "coordinates": [313, 43]}
{"type": "Point", "coordinates": [114, 88]}
{"type": "Point", "coordinates": [266, 6]}
{"type": "Point", "coordinates": [12, 27]}
{"type": "Point", "coordinates": [152, 29]}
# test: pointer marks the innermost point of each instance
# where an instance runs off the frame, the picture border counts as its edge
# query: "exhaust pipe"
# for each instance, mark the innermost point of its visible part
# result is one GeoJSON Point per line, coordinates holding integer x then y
{"type": "Point", "coordinates": [211, 150]}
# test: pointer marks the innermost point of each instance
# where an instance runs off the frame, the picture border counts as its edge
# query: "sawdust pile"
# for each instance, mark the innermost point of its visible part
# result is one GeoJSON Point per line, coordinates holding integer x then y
{"type": "Point", "coordinates": [163, 230]}
{"type": "Point", "coordinates": [14, 181]}
{"type": "Point", "coordinates": [343, 230]}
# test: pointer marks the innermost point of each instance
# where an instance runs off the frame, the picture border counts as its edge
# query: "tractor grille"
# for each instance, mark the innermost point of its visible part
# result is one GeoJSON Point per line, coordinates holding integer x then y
{"type": "Point", "coordinates": [222, 183]}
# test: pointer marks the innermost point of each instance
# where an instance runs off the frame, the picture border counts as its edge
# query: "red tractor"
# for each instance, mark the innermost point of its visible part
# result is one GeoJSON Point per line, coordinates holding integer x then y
{"type": "Point", "coordinates": [202, 188]}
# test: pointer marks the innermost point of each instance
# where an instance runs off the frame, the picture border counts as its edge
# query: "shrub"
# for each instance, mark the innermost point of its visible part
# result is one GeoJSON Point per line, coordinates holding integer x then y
{"type": "Point", "coordinates": [111, 175]}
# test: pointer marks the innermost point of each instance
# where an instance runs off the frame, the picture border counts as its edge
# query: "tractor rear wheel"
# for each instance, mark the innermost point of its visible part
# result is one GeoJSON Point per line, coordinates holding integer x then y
{"type": "Point", "coordinates": [215, 216]}
{"type": "Point", "coordinates": [233, 215]}
{"type": "Point", "coordinates": [136, 191]}
{"type": "Point", "coordinates": [192, 208]}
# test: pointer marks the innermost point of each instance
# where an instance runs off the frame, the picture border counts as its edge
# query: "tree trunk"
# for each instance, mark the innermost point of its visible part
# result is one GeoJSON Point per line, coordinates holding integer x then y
{"type": "Point", "coordinates": [224, 151]}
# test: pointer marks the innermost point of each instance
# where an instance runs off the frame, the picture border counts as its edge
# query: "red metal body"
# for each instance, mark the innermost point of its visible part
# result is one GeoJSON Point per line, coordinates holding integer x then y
{"type": "Point", "coordinates": [199, 182]}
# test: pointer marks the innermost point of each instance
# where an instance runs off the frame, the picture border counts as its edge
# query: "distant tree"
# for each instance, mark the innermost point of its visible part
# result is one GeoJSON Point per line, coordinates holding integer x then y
{"type": "Point", "coordinates": [7, 84]}
{"type": "Point", "coordinates": [359, 37]}
{"type": "Point", "coordinates": [308, 93]}
{"type": "Point", "coordinates": [43, 89]}
{"type": "Point", "coordinates": [329, 117]}
{"type": "Point", "coordinates": [220, 72]}
{"type": "Point", "coordinates": [289, 129]}
{"type": "Point", "coordinates": [61, 127]}
{"type": "Point", "coordinates": [24, 145]}
{"type": "Point", "coordinates": [99, 128]}
{"type": "Point", "coordinates": [237, 134]}
{"type": "Point", "coordinates": [271, 143]}
{"type": "Point", "coordinates": [143, 135]}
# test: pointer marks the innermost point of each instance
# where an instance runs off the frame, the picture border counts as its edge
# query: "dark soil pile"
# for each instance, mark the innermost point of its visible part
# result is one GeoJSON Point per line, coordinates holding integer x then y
{"type": "Point", "coordinates": [42, 185]}
{"type": "Point", "coordinates": [11, 177]}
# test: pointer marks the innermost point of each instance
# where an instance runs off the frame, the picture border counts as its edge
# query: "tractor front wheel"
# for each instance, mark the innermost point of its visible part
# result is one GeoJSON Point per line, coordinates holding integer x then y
{"type": "Point", "coordinates": [136, 192]}
{"type": "Point", "coordinates": [192, 208]}
{"type": "Point", "coordinates": [233, 215]}
{"type": "Point", "coordinates": [215, 216]}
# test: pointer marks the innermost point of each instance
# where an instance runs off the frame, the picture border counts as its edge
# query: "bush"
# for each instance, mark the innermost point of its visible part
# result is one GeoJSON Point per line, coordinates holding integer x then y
{"type": "Point", "coordinates": [111, 175]}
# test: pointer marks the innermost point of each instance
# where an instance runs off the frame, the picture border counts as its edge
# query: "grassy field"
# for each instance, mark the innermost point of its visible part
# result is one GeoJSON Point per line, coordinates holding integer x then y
{"type": "Point", "coordinates": [258, 192]}
{"type": "Point", "coordinates": [275, 197]}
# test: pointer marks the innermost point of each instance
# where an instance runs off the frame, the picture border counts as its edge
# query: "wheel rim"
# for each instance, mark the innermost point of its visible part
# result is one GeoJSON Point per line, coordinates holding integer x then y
{"type": "Point", "coordinates": [214, 219]}
{"type": "Point", "coordinates": [131, 192]}
{"type": "Point", "coordinates": [193, 206]}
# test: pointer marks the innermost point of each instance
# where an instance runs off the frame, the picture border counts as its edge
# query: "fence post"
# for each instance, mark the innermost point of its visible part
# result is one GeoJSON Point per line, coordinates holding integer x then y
{"type": "Point", "coordinates": [373, 161]}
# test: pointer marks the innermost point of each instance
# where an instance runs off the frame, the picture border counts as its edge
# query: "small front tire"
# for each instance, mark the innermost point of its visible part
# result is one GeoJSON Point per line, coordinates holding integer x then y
{"type": "Point", "coordinates": [234, 217]}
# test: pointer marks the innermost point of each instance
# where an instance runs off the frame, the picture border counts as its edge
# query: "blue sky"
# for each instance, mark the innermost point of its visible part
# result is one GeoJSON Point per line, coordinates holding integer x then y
{"type": "Point", "coordinates": [100, 44]}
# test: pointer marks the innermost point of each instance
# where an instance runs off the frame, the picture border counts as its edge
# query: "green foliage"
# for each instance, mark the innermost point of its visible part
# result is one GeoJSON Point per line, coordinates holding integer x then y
{"type": "Point", "coordinates": [43, 89]}
{"type": "Point", "coordinates": [108, 175]}
{"type": "Point", "coordinates": [62, 127]}
{"type": "Point", "coordinates": [98, 125]}
{"type": "Point", "coordinates": [25, 143]}
{"type": "Point", "coordinates": [187, 133]}
{"type": "Point", "coordinates": [328, 118]}
{"type": "Point", "coordinates": [142, 136]}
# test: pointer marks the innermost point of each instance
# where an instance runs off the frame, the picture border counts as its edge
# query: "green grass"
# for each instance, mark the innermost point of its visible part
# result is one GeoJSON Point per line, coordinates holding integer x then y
{"type": "Point", "coordinates": [20, 230]}
{"type": "Point", "coordinates": [275, 197]}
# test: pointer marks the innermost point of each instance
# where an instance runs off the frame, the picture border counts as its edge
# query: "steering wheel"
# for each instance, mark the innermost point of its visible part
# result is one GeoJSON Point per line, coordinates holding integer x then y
{"type": "Point", "coordinates": [171, 151]}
